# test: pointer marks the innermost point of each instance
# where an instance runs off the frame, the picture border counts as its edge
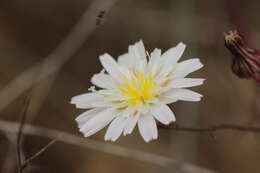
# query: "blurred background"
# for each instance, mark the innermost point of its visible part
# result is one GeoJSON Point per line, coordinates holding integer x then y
{"type": "Point", "coordinates": [30, 30]}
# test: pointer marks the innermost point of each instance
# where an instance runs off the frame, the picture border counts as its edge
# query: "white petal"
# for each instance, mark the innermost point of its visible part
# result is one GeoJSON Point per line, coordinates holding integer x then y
{"type": "Point", "coordinates": [111, 97]}
{"type": "Point", "coordinates": [166, 100]}
{"type": "Point", "coordinates": [141, 66]}
{"type": "Point", "coordinates": [98, 122]}
{"type": "Point", "coordinates": [173, 55]}
{"type": "Point", "coordinates": [84, 98]}
{"type": "Point", "coordinates": [116, 128]}
{"type": "Point", "coordinates": [124, 60]}
{"type": "Point", "coordinates": [87, 115]}
{"type": "Point", "coordinates": [139, 49]}
{"type": "Point", "coordinates": [155, 55]}
{"type": "Point", "coordinates": [110, 66]}
{"type": "Point", "coordinates": [85, 101]}
{"type": "Point", "coordinates": [185, 82]}
{"type": "Point", "coordinates": [186, 67]}
{"type": "Point", "coordinates": [164, 72]}
{"type": "Point", "coordinates": [130, 124]}
{"type": "Point", "coordinates": [147, 127]}
{"type": "Point", "coordinates": [163, 113]}
{"type": "Point", "coordinates": [125, 70]}
{"type": "Point", "coordinates": [98, 104]}
{"type": "Point", "coordinates": [103, 81]}
{"type": "Point", "coordinates": [137, 53]}
{"type": "Point", "coordinates": [154, 61]}
{"type": "Point", "coordinates": [183, 94]}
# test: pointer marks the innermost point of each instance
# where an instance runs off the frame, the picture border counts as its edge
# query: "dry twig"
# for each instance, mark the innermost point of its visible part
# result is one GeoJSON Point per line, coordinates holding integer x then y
{"type": "Point", "coordinates": [20, 133]}
{"type": "Point", "coordinates": [43, 149]}
{"type": "Point", "coordinates": [53, 63]}
{"type": "Point", "coordinates": [64, 51]}
{"type": "Point", "coordinates": [162, 161]}
{"type": "Point", "coordinates": [214, 128]}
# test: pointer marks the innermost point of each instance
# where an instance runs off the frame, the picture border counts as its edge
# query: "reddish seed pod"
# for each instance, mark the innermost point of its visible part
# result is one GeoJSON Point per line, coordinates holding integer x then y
{"type": "Point", "coordinates": [246, 60]}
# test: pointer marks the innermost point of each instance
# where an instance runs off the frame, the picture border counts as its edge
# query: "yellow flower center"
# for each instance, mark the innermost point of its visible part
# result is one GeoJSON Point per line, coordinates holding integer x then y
{"type": "Point", "coordinates": [137, 88]}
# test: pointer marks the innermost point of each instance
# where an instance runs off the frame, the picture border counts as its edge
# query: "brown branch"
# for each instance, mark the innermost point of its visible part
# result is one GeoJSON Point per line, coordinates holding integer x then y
{"type": "Point", "coordinates": [53, 63]}
{"type": "Point", "coordinates": [158, 160]}
{"type": "Point", "coordinates": [20, 133]}
{"type": "Point", "coordinates": [40, 91]}
{"type": "Point", "coordinates": [213, 128]}
{"type": "Point", "coordinates": [64, 51]}
{"type": "Point", "coordinates": [43, 149]}
{"type": "Point", "coordinates": [21, 165]}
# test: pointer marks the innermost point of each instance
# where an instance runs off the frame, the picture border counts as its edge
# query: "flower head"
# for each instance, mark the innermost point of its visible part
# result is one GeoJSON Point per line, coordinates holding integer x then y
{"type": "Point", "coordinates": [136, 90]}
{"type": "Point", "coordinates": [246, 60]}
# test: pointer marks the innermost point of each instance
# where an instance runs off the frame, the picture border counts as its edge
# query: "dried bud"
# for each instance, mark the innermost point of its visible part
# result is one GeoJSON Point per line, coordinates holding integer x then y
{"type": "Point", "coordinates": [246, 60]}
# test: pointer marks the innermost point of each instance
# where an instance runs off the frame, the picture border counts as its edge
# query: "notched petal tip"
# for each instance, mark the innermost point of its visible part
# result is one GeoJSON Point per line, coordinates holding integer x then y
{"type": "Point", "coordinates": [181, 47]}
{"type": "Point", "coordinates": [106, 138]}
{"type": "Point", "coordinates": [147, 140]}
{"type": "Point", "coordinates": [110, 139]}
{"type": "Point", "coordinates": [110, 65]}
{"type": "Point", "coordinates": [201, 81]}
{"type": "Point", "coordinates": [150, 139]}
{"type": "Point", "coordinates": [73, 100]}
{"type": "Point", "coordinates": [140, 42]}
{"type": "Point", "coordinates": [199, 61]}
{"type": "Point", "coordinates": [182, 44]}
{"type": "Point", "coordinates": [173, 54]}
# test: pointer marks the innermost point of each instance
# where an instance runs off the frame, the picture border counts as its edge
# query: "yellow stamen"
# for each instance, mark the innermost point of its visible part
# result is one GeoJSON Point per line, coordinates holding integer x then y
{"type": "Point", "coordinates": [138, 88]}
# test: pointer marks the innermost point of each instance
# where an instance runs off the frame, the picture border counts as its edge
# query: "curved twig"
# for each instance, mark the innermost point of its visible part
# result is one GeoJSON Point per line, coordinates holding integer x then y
{"type": "Point", "coordinates": [20, 133]}
{"type": "Point", "coordinates": [59, 56]}
{"type": "Point", "coordinates": [213, 128]}
{"type": "Point", "coordinates": [158, 160]}
{"type": "Point", "coordinates": [43, 149]}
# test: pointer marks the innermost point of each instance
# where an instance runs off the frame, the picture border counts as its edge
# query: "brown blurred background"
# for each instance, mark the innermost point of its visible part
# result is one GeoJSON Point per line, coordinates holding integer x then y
{"type": "Point", "coordinates": [30, 30]}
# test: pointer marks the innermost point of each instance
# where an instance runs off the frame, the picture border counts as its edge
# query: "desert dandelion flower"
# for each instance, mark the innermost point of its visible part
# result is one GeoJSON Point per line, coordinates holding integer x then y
{"type": "Point", "coordinates": [135, 90]}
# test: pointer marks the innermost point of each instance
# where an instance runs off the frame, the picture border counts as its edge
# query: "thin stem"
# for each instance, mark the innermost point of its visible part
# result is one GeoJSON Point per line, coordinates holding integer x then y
{"type": "Point", "coordinates": [20, 133]}
{"type": "Point", "coordinates": [43, 149]}
{"type": "Point", "coordinates": [162, 161]}
{"type": "Point", "coordinates": [215, 128]}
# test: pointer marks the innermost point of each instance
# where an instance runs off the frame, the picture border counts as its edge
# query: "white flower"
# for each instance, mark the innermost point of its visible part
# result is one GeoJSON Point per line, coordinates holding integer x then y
{"type": "Point", "coordinates": [136, 90]}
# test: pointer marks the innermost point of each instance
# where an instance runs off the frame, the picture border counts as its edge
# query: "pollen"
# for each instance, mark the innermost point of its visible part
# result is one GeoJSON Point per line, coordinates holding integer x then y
{"type": "Point", "coordinates": [138, 88]}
